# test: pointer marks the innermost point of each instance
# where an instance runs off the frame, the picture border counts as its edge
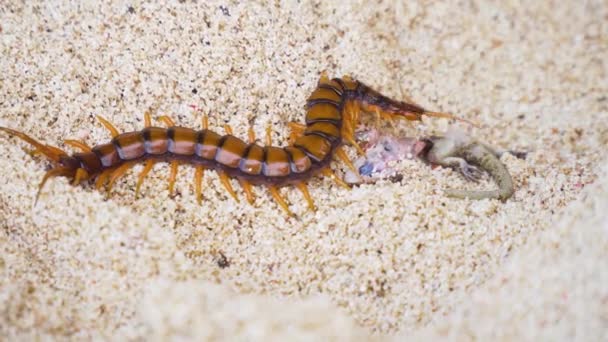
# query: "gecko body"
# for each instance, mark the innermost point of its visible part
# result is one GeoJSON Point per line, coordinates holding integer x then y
{"type": "Point", "coordinates": [470, 157]}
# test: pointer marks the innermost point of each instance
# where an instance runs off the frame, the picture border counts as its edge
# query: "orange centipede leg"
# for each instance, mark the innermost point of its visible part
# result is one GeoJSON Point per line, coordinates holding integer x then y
{"type": "Point", "coordinates": [226, 183]}
{"type": "Point", "coordinates": [352, 141]}
{"type": "Point", "coordinates": [387, 117]}
{"type": "Point", "coordinates": [108, 125]}
{"type": "Point", "coordinates": [118, 172]}
{"type": "Point", "coordinates": [228, 129]}
{"type": "Point", "coordinates": [56, 172]}
{"type": "Point", "coordinates": [198, 183]}
{"type": "Point", "coordinates": [268, 135]}
{"type": "Point", "coordinates": [277, 197]}
{"type": "Point", "coordinates": [81, 174]}
{"type": "Point", "coordinates": [205, 121]}
{"type": "Point", "coordinates": [304, 189]}
{"type": "Point", "coordinates": [81, 145]}
{"type": "Point", "coordinates": [348, 127]}
{"type": "Point", "coordinates": [324, 78]}
{"type": "Point", "coordinates": [344, 157]}
{"type": "Point", "coordinates": [248, 190]}
{"type": "Point", "coordinates": [53, 153]}
{"type": "Point", "coordinates": [296, 130]}
{"type": "Point", "coordinates": [167, 120]}
{"type": "Point", "coordinates": [251, 135]}
{"type": "Point", "coordinates": [172, 176]}
{"type": "Point", "coordinates": [329, 173]}
{"type": "Point", "coordinates": [102, 178]}
{"type": "Point", "coordinates": [147, 119]}
{"type": "Point", "coordinates": [142, 175]}
{"type": "Point", "coordinates": [378, 118]}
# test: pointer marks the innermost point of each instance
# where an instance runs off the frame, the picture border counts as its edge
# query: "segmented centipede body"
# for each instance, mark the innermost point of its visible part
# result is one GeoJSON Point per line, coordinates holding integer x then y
{"type": "Point", "coordinates": [333, 111]}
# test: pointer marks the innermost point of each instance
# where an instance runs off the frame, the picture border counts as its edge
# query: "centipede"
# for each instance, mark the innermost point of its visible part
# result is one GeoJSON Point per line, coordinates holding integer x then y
{"type": "Point", "coordinates": [332, 113]}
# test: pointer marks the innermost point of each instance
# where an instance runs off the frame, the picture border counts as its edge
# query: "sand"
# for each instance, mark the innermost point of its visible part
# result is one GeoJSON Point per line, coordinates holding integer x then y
{"type": "Point", "coordinates": [390, 260]}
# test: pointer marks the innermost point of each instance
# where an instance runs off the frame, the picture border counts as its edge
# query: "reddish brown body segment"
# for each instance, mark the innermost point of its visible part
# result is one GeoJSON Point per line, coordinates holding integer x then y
{"type": "Point", "coordinates": [332, 112]}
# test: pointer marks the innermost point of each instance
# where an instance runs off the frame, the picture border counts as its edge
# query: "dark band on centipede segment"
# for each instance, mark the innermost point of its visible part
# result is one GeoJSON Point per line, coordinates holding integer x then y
{"type": "Point", "coordinates": [332, 111]}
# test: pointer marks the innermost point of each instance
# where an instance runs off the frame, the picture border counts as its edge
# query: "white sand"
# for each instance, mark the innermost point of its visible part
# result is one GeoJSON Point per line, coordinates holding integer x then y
{"type": "Point", "coordinates": [388, 260]}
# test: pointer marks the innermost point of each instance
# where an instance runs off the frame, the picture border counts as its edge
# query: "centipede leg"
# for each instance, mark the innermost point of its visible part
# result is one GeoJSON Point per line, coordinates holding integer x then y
{"type": "Point", "coordinates": [386, 117]}
{"type": "Point", "coordinates": [140, 179]}
{"type": "Point", "coordinates": [81, 145]}
{"type": "Point", "coordinates": [56, 172]}
{"type": "Point", "coordinates": [248, 190]}
{"type": "Point", "coordinates": [304, 190]}
{"type": "Point", "coordinates": [329, 173]}
{"type": "Point", "coordinates": [226, 183]}
{"type": "Point", "coordinates": [108, 125]}
{"type": "Point", "coordinates": [352, 141]}
{"type": "Point", "coordinates": [324, 78]}
{"type": "Point", "coordinates": [348, 127]}
{"type": "Point", "coordinates": [268, 135]}
{"type": "Point", "coordinates": [277, 197]}
{"type": "Point", "coordinates": [251, 135]}
{"type": "Point", "coordinates": [344, 158]}
{"type": "Point", "coordinates": [378, 118]}
{"type": "Point", "coordinates": [228, 129]}
{"type": "Point", "coordinates": [172, 176]}
{"type": "Point", "coordinates": [167, 120]}
{"type": "Point", "coordinates": [118, 172]}
{"type": "Point", "coordinates": [198, 183]}
{"type": "Point", "coordinates": [296, 130]}
{"type": "Point", "coordinates": [50, 152]}
{"type": "Point", "coordinates": [102, 178]}
{"type": "Point", "coordinates": [81, 174]}
{"type": "Point", "coordinates": [48, 149]}
{"type": "Point", "coordinates": [205, 121]}
{"type": "Point", "coordinates": [147, 119]}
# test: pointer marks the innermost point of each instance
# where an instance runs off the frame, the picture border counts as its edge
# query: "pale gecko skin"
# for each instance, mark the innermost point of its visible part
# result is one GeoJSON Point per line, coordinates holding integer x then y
{"type": "Point", "coordinates": [465, 154]}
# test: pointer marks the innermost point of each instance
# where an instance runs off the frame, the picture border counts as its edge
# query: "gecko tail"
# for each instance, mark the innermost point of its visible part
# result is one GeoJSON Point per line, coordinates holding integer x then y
{"type": "Point", "coordinates": [478, 194]}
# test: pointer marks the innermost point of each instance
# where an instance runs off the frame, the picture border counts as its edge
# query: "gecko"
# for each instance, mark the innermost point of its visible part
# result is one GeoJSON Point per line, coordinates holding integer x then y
{"type": "Point", "coordinates": [470, 157]}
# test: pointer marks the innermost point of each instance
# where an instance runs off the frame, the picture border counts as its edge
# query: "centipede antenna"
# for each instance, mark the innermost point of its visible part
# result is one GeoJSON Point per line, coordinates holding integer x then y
{"type": "Point", "coordinates": [51, 152]}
